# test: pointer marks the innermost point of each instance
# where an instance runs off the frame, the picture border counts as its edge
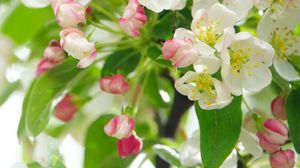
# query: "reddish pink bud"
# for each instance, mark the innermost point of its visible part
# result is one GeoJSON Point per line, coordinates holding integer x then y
{"type": "Point", "coordinates": [266, 144]}
{"type": "Point", "coordinates": [282, 159]}
{"type": "Point", "coordinates": [114, 84]}
{"type": "Point", "coordinates": [44, 65]}
{"type": "Point", "coordinates": [65, 109]}
{"type": "Point", "coordinates": [54, 52]}
{"type": "Point", "coordinates": [69, 13]}
{"type": "Point", "coordinates": [120, 127]}
{"type": "Point", "coordinates": [180, 52]}
{"type": "Point", "coordinates": [133, 18]}
{"type": "Point", "coordinates": [277, 108]}
{"type": "Point", "coordinates": [276, 131]}
{"type": "Point", "coordinates": [130, 146]}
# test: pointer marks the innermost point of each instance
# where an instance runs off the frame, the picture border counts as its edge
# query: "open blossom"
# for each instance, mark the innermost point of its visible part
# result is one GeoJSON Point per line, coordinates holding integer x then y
{"type": "Point", "coordinates": [52, 56]}
{"type": "Point", "coordinates": [274, 135]}
{"type": "Point", "coordinates": [279, 34]}
{"type": "Point", "coordinates": [69, 13]}
{"type": "Point", "coordinates": [245, 63]}
{"type": "Point", "coordinates": [282, 159]}
{"type": "Point", "coordinates": [133, 18]}
{"type": "Point", "coordinates": [201, 86]}
{"type": "Point", "coordinates": [114, 84]}
{"type": "Point", "coordinates": [65, 109]}
{"type": "Point", "coordinates": [131, 145]}
{"type": "Point", "coordinates": [277, 108]}
{"type": "Point", "coordinates": [158, 6]}
{"type": "Point", "coordinates": [73, 41]}
{"type": "Point", "coordinates": [120, 127]}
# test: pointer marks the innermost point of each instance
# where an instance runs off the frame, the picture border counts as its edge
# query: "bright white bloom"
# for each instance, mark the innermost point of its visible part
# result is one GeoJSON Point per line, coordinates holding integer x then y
{"type": "Point", "coordinates": [36, 3]}
{"type": "Point", "coordinates": [245, 63]}
{"type": "Point", "coordinates": [279, 33]}
{"type": "Point", "coordinates": [19, 165]}
{"type": "Point", "coordinates": [251, 143]}
{"type": "Point", "coordinates": [240, 7]}
{"type": "Point", "coordinates": [73, 41]}
{"type": "Point", "coordinates": [201, 86]}
{"type": "Point", "coordinates": [160, 5]}
{"type": "Point", "coordinates": [276, 7]}
{"type": "Point", "coordinates": [190, 153]}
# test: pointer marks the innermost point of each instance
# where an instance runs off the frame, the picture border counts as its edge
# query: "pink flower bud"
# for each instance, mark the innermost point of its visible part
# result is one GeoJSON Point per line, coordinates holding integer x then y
{"type": "Point", "coordinates": [277, 108]}
{"type": "Point", "coordinates": [44, 65]}
{"type": "Point", "coordinates": [114, 84]}
{"type": "Point", "coordinates": [282, 159]}
{"type": "Point", "coordinates": [130, 146]}
{"type": "Point", "coordinates": [54, 52]}
{"type": "Point", "coordinates": [276, 131]}
{"type": "Point", "coordinates": [266, 144]}
{"type": "Point", "coordinates": [133, 18]}
{"type": "Point", "coordinates": [65, 109]}
{"type": "Point", "coordinates": [73, 41]}
{"type": "Point", "coordinates": [180, 52]}
{"type": "Point", "coordinates": [69, 13]}
{"type": "Point", "coordinates": [120, 127]}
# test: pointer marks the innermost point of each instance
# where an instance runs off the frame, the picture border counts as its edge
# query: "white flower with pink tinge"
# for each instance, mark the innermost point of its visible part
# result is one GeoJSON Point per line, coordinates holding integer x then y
{"type": "Point", "coordinates": [120, 127]}
{"type": "Point", "coordinates": [73, 41]}
{"type": "Point", "coordinates": [69, 13]}
{"type": "Point", "coordinates": [133, 18]}
{"type": "Point", "coordinates": [283, 159]}
{"type": "Point", "coordinates": [114, 84]}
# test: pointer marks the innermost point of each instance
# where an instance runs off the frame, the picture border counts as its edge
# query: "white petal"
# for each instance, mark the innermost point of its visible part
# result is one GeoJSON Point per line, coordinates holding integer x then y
{"type": "Point", "coordinates": [36, 3]}
{"type": "Point", "coordinates": [262, 4]}
{"type": "Point", "coordinates": [178, 4]}
{"type": "Point", "coordinates": [295, 48]}
{"type": "Point", "coordinates": [202, 4]}
{"type": "Point", "coordinates": [286, 70]}
{"type": "Point", "coordinates": [223, 94]}
{"type": "Point", "coordinates": [241, 8]}
{"type": "Point", "coordinates": [265, 27]}
{"type": "Point", "coordinates": [190, 151]}
{"type": "Point", "coordinates": [226, 39]}
{"type": "Point", "coordinates": [231, 161]}
{"type": "Point", "coordinates": [152, 5]}
{"type": "Point", "coordinates": [182, 33]}
{"type": "Point", "coordinates": [211, 63]}
{"type": "Point", "coordinates": [203, 48]}
{"type": "Point", "coordinates": [186, 89]}
{"type": "Point", "coordinates": [243, 36]}
{"type": "Point", "coordinates": [251, 143]}
{"type": "Point", "coordinates": [256, 78]}
{"type": "Point", "coordinates": [290, 18]}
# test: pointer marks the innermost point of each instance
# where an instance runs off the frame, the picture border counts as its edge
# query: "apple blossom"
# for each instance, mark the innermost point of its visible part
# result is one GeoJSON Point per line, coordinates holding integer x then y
{"type": "Point", "coordinates": [54, 52]}
{"type": "Point", "coordinates": [133, 18]}
{"type": "Point", "coordinates": [114, 84]}
{"type": "Point", "coordinates": [73, 41]}
{"type": "Point", "coordinates": [250, 142]}
{"type": "Point", "coordinates": [266, 144]}
{"type": "Point", "coordinates": [69, 13]}
{"type": "Point", "coordinates": [44, 65]}
{"type": "Point", "coordinates": [279, 33]}
{"type": "Point", "coordinates": [120, 127]}
{"type": "Point", "coordinates": [131, 145]}
{"type": "Point", "coordinates": [245, 63]}
{"type": "Point", "coordinates": [66, 109]}
{"type": "Point", "coordinates": [201, 86]}
{"type": "Point", "coordinates": [277, 108]}
{"type": "Point", "coordinates": [282, 159]}
{"type": "Point", "coordinates": [36, 3]}
{"type": "Point", "coordinates": [158, 6]}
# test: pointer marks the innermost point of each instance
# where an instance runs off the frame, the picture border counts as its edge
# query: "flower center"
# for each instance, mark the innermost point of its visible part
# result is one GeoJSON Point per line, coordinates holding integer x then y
{"type": "Point", "coordinates": [238, 58]}
{"type": "Point", "coordinates": [207, 32]}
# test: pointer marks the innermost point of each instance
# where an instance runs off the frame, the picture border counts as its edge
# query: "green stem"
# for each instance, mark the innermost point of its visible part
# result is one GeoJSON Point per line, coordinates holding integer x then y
{"type": "Point", "coordinates": [104, 11]}
{"type": "Point", "coordinates": [106, 28]}
{"type": "Point", "coordinates": [254, 115]}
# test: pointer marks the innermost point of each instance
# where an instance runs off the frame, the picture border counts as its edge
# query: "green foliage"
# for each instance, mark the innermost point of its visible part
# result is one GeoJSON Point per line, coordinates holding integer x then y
{"type": "Point", "coordinates": [293, 117]}
{"type": "Point", "coordinates": [7, 90]}
{"type": "Point", "coordinates": [163, 30]}
{"type": "Point", "coordinates": [23, 23]}
{"type": "Point", "coordinates": [155, 55]}
{"type": "Point", "coordinates": [124, 61]}
{"type": "Point", "coordinates": [168, 154]}
{"type": "Point", "coordinates": [219, 132]}
{"type": "Point", "coordinates": [101, 150]}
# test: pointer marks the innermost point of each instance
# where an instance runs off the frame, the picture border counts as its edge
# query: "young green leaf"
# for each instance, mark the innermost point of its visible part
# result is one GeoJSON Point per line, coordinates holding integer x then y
{"type": "Point", "coordinates": [168, 154]}
{"type": "Point", "coordinates": [100, 149]}
{"type": "Point", "coordinates": [293, 117]}
{"type": "Point", "coordinates": [219, 130]}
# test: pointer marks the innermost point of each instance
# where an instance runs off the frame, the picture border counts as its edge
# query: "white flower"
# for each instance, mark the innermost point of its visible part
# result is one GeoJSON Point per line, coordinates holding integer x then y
{"type": "Point", "coordinates": [160, 5]}
{"type": "Point", "coordinates": [240, 7]}
{"type": "Point", "coordinates": [190, 153]}
{"type": "Point", "coordinates": [36, 3]}
{"type": "Point", "coordinates": [251, 143]}
{"type": "Point", "coordinates": [245, 63]}
{"type": "Point", "coordinates": [279, 33]}
{"type": "Point", "coordinates": [201, 86]}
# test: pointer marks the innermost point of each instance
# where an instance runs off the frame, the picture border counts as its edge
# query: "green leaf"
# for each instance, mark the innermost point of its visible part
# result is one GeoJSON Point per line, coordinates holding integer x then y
{"type": "Point", "coordinates": [124, 61]}
{"type": "Point", "coordinates": [164, 28]}
{"type": "Point", "coordinates": [23, 23]}
{"type": "Point", "coordinates": [168, 154]}
{"type": "Point", "coordinates": [155, 54]}
{"type": "Point", "coordinates": [7, 90]}
{"type": "Point", "coordinates": [34, 165]}
{"type": "Point", "coordinates": [293, 117]}
{"type": "Point", "coordinates": [56, 162]}
{"type": "Point", "coordinates": [100, 149]}
{"type": "Point", "coordinates": [46, 89]}
{"type": "Point", "coordinates": [220, 130]}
